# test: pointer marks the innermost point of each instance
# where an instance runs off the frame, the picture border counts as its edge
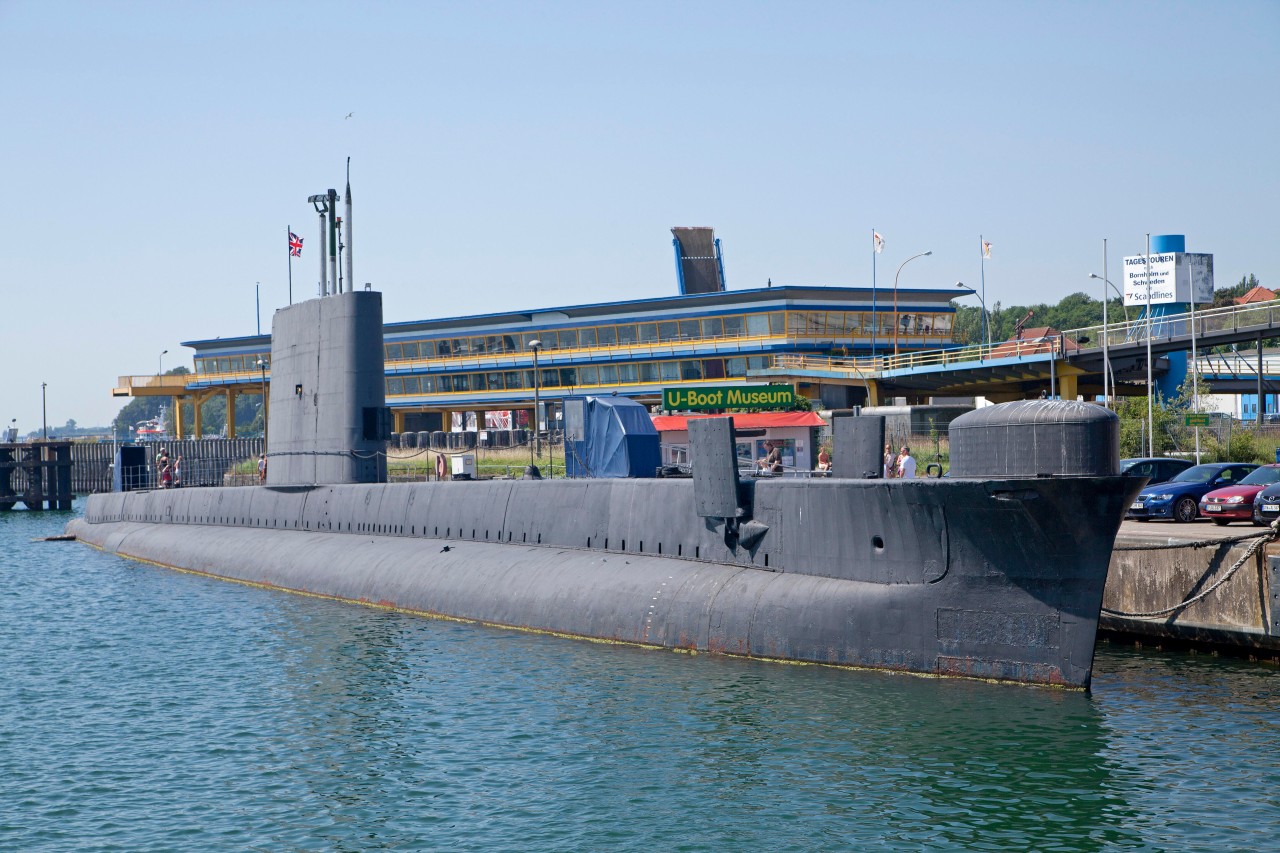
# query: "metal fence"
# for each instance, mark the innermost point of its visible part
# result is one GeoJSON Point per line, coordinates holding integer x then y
{"type": "Point", "coordinates": [205, 462]}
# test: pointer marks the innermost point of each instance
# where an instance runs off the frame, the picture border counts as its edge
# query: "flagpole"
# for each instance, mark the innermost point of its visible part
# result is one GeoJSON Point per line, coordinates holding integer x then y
{"type": "Point", "coordinates": [288, 235]}
{"type": "Point", "coordinates": [875, 319]}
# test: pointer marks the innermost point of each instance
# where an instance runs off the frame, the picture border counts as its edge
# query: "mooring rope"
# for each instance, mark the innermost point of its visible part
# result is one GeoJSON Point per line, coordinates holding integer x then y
{"type": "Point", "coordinates": [1259, 540]}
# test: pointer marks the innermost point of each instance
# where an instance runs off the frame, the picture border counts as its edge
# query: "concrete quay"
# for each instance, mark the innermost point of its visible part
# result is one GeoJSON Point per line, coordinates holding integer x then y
{"type": "Point", "coordinates": [1195, 585]}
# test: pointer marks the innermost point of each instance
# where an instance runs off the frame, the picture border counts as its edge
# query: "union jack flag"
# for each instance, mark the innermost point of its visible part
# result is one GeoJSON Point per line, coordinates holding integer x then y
{"type": "Point", "coordinates": [295, 245]}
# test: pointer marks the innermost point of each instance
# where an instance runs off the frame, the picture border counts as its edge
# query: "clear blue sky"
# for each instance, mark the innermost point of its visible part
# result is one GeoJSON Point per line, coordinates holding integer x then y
{"type": "Point", "coordinates": [522, 155]}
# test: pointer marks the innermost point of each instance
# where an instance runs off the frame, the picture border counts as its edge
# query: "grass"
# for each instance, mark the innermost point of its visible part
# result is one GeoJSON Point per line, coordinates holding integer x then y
{"type": "Point", "coordinates": [490, 462]}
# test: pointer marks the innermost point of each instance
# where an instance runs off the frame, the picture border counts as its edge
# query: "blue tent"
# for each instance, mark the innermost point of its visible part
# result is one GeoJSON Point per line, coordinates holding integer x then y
{"type": "Point", "coordinates": [609, 437]}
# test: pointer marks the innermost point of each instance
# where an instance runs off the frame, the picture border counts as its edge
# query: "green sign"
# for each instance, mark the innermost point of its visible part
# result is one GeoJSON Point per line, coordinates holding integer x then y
{"type": "Point", "coordinates": [1198, 420]}
{"type": "Point", "coordinates": [728, 397]}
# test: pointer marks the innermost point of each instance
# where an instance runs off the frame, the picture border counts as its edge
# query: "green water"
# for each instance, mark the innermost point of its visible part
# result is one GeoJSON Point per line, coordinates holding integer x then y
{"type": "Point", "coordinates": [145, 709]}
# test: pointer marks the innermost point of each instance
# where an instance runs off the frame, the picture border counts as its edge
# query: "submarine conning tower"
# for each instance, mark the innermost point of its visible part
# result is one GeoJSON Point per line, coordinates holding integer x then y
{"type": "Point", "coordinates": [328, 419]}
{"type": "Point", "coordinates": [1036, 438]}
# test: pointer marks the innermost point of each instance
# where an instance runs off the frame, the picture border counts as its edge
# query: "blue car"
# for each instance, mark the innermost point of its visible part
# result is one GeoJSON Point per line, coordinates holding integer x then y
{"type": "Point", "coordinates": [1179, 498]}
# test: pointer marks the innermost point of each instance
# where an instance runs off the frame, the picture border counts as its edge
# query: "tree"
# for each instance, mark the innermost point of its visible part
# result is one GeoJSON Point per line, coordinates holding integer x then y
{"type": "Point", "coordinates": [1224, 296]}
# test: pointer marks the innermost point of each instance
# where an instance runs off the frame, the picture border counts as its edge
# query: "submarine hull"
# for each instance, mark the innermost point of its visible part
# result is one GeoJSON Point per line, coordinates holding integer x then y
{"type": "Point", "coordinates": [993, 579]}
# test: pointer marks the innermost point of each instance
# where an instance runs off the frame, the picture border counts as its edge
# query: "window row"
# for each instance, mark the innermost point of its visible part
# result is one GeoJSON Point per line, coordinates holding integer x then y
{"type": "Point", "coordinates": [837, 323]}
{"type": "Point", "coordinates": [590, 337]}
{"type": "Point", "coordinates": [233, 364]}
{"type": "Point", "coordinates": [834, 324]}
{"type": "Point", "coordinates": [576, 377]}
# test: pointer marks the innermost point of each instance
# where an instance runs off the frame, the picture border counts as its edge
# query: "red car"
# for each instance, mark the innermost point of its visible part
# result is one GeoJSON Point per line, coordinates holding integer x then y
{"type": "Point", "coordinates": [1235, 503]}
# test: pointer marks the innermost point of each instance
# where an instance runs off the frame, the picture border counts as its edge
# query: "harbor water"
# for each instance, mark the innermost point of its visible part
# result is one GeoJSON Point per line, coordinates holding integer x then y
{"type": "Point", "coordinates": [147, 709]}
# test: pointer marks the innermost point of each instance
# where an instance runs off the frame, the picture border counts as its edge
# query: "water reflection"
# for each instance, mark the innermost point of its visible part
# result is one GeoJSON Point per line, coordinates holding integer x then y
{"type": "Point", "coordinates": [930, 762]}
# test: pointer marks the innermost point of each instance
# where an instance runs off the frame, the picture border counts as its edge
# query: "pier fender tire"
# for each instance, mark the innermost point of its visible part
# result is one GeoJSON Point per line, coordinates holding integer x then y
{"type": "Point", "coordinates": [1185, 510]}
{"type": "Point", "coordinates": [1221, 522]}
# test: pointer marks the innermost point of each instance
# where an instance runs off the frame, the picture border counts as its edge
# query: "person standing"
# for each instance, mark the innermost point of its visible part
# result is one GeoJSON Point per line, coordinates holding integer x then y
{"type": "Point", "coordinates": [162, 462]}
{"type": "Point", "coordinates": [906, 464]}
{"type": "Point", "coordinates": [890, 463]}
{"type": "Point", "coordinates": [262, 467]}
{"type": "Point", "coordinates": [824, 459]}
{"type": "Point", "coordinates": [772, 462]}
{"type": "Point", "coordinates": [177, 472]}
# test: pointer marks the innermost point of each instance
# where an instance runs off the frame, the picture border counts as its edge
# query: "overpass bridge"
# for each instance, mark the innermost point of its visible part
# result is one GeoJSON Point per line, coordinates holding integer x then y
{"type": "Point", "coordinates": [1066, 363]}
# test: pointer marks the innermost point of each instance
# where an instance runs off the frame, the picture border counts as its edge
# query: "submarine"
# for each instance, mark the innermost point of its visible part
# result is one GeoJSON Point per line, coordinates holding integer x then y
{"type": "Point", "coordinates": [995, 572]}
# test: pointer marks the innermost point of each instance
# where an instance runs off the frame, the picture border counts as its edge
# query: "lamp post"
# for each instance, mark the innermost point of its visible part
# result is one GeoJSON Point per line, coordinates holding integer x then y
{"type": "Point", "coordinates": [1151, 417]}
{"type": "Point", "coordinates": [895, 298]}
{"type": "Point", "coordinates": [536, 345]}
{"type": "Point", "coordinates": [982, 302]}
{"type": "Point", "coordinates": [160, 371]}
{"type": "Point", "coordinates": [262, 366]}
{"type": "Point", "coordinates": [44, 409]}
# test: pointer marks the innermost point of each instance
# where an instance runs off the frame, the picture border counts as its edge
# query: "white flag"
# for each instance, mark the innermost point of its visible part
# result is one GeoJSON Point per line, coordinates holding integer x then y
{"type": "Point", "coordinates": [877, 242]}
{"type": "Point", "coordinates": [986, 249]}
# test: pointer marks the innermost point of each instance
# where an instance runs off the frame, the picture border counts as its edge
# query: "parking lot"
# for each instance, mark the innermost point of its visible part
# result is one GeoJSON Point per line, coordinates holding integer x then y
{"type": "Point", "coordinates": [1203, 528]}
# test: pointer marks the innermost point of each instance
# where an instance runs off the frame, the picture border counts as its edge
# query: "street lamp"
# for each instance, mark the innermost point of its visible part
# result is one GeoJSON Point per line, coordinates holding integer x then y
{"type": "Point", "coordinates": [1114, 290]}
{"type": "Point", "coordinates": [44, 409]}
{"type": "Point", "coordinates": [986, 330]}
{"type": "Point", "coordinates": [1106, 356]}
{"type": "Point", "coordinates": [262, 366]}
{"type": "Point", "coordinates": [535, 345]}
{"type": "Point", "coordinates": [895, 298]}
{"type": "Point", "coordinates": [161, 370]}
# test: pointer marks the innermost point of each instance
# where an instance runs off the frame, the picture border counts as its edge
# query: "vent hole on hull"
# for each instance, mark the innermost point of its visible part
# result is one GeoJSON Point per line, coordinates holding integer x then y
{"type": "Point", "coordinates": [877, 542]}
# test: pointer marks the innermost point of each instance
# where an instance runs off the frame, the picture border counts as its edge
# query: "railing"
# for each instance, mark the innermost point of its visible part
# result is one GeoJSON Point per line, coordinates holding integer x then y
{"type": "Point", "coordinates": [205, 462]}
{"type": "Point", "coordinates": [1049, 345]}
{"type": "Point", "coordinates": [1259, 316]}
{"type": "Point", "coordinates": [1236, 364]}
{"type": "Point", "coordinates": [827, 365]}
{"type": "Point", "coordinates": [166, 382]}
{"type": "Point", "coordinates": [1231, 318]}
